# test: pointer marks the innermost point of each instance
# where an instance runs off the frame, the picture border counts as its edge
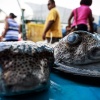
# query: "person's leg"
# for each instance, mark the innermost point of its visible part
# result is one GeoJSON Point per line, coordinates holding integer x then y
{"type": "Point", "coordinates": [53, 40]}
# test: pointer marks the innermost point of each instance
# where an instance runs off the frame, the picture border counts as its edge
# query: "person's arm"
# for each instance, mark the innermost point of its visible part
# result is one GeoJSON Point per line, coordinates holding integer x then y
{"type": "Point", "coordinates": [91, 23]}
{"type": "Point", "coordinates": [5, 29]}
{"type": "Point", "coordinates": [47, 28]}
{"type": "Point", "coordinates": [69, 20]}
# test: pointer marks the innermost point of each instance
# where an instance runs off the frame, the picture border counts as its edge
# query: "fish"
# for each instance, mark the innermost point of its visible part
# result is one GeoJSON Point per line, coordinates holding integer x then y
{"type": "Point", "coordinates": [24, 67]}
{"type": "Point", "coordinates": [78, 53]}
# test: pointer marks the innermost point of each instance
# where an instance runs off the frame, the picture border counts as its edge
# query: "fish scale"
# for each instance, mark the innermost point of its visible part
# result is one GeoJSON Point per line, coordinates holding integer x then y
{"type": "Point", "coordinates": [74, 53]}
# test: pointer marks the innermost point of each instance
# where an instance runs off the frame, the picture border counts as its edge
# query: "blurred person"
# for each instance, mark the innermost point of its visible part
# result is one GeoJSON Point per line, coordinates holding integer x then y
{"type": "Point", "coordinates": [52, 27]}
{"type": "Point", "coordinates": [94, 25]}
{"type": "Point", "coordinates": [3, 30]}
{"type": "Point", "coordinates": [81, 16]}
{"type": "Point", "coordinates": [63, 32]}
{"type": "Point", "coordinates": [6, 18]}
{"type": "Point", "coordinates": [67, 31]}
{"type": "Point", "coordinates": [11, 30]}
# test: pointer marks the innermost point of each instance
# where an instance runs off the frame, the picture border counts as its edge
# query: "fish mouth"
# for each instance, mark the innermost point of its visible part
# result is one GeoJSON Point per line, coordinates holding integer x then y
{"type": "Point", "coordinates": [87, 70]}
{"type": "Point", "coordinates": [40, 87]}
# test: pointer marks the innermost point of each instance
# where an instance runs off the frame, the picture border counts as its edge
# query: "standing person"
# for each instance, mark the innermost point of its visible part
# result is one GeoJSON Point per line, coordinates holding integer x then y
{"type": "Point", "coordinates": [11, 31]}
{"type": "Point", "coordinates": [81, 16]}
{"type": "Point", "coordinates": [52, 27]}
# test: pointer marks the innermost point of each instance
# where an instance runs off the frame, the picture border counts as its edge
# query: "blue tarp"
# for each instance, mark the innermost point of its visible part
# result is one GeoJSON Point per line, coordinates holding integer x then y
{"type": "Point", "coordinates": [63, 89]}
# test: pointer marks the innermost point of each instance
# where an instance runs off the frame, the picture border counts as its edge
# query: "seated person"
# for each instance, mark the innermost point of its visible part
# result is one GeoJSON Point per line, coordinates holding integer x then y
{"type": "Point", "coordinates": [67, 31]}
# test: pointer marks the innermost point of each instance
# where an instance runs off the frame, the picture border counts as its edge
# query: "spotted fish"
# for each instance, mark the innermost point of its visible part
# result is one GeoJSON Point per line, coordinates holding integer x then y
{"type": "Point", "coordinates": [24, 67]}
{"type": "Point", "coordinates": [78, 53]}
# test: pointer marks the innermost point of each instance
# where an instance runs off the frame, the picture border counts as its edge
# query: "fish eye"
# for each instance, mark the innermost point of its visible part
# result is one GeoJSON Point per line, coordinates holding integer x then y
{"type": "Point", "coordinates": [73, 38]}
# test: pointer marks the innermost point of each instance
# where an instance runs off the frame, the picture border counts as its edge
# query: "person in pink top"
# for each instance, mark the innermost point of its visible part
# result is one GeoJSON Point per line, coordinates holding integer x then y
{"type": "Point", "coordinates": [82, 16]}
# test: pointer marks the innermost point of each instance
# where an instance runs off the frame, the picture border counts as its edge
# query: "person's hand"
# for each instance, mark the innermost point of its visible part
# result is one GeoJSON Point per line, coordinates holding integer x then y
{"type": "Point", "coordinates": [43, 36]}
{"type": "Point", "coordinates": [68, 28]}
